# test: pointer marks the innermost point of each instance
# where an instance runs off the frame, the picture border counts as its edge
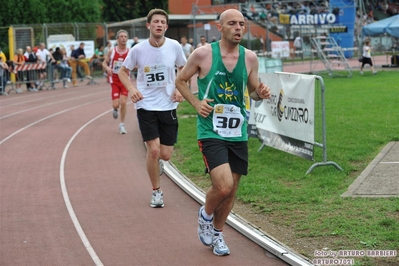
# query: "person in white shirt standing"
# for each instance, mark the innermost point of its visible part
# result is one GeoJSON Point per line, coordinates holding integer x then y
{"type": "Point", "coordinates": [45, 57]}
{"type": "Point", "coordinates": [298, 46]}
{"type": "Point", "coordinates": [203, 42]}
{"type": "Point", "coordinates": [187, 49]}
{"type": "Point", "coordinates": [155, 96]}
{"type": "Point", "coordinates": [366, 59]}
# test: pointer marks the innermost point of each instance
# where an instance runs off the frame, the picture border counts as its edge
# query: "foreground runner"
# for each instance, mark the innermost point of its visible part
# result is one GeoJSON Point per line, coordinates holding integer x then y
{"type": "Point", "coordinates": [112, 64]}
{"type": "Point", "coordinates": [224, 70]}
{"type": "Point", "coordinates": [155, 96]}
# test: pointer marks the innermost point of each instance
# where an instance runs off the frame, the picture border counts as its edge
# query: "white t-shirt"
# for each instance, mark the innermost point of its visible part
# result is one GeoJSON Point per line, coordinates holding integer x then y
{"type": "Point", "coordinates": [187, 49]}
{"type": "Point", "coordinates": [366, 51]}
{"type": "Point", "coordinates": [42, 54]}
{"type": "Point", "coordinates": [298, 42]}
{"type": "Point", "coordinates": [156, 73]}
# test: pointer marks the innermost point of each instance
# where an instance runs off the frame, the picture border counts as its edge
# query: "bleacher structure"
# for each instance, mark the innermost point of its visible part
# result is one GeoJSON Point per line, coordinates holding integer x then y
{"type": "Point", "coordinates": [332, 56]}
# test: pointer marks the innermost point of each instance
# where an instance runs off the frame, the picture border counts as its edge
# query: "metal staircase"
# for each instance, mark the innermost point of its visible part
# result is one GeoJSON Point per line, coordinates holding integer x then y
{"type": "Point", "coordinates": [332, 56]}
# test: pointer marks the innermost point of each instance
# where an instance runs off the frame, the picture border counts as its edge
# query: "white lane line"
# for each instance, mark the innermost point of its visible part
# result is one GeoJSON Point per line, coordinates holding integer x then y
{"type": "Point", "coordinates": [45, 118]}
{"type": "Point", "coordinates": [40, 97]}
{"type": "Point", "coordinates": [48, 104]}
{"type": "Point", "coordinates": [68, 204]}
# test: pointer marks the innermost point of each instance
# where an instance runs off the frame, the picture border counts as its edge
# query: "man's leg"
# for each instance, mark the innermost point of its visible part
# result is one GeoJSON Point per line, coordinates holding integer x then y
{"type": "Point", "coordinates": [85, 67]}
{"type": "Point", "coordinates": [153, 155]}
{"type": "Point", "coordinates": [123, 101]}
{"type": "Point", "coordinates": [220, 196]}
{"type": "Point", "coordinates": [73, 66]}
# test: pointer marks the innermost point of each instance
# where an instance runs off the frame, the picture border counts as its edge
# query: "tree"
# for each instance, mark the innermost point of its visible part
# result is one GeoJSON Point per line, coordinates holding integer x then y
{"type": "Point", "coordinates": [121, 10]}
{"type": "Point", "coordinates": [49, 11]}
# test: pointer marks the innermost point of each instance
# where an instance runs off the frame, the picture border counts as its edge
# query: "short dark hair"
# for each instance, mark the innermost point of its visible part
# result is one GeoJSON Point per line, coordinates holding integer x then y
{"type": "Point", "coordinates": [157, 11]}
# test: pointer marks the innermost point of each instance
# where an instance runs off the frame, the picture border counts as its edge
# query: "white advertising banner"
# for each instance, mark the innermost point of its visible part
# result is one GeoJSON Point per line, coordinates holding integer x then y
{"type": "Point", "coordinates": [286, 120]}
{"type": "Point", "coordinates": [280, 49]}
{"type": "Point", "coordinates": [89, 46]}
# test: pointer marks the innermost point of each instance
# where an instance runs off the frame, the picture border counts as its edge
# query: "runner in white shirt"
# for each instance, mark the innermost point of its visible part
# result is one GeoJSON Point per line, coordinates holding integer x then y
{"type": "Point", "coordinates": [155, 96]}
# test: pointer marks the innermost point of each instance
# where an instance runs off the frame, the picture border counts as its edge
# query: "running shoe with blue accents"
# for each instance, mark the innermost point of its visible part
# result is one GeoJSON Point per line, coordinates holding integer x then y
{"type": "Point", "coordinates": [205, 229]}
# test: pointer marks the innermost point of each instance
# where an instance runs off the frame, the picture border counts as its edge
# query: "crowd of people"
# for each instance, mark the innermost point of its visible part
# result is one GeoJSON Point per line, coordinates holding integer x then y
{"type": "Point", "coordinates": [47, 65]}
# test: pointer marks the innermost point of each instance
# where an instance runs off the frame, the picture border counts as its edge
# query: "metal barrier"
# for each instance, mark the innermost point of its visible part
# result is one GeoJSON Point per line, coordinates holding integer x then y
{"type": "Point", "coordinates": [4, 78]}
{"type": "Point", "coordinates": [33, 75]}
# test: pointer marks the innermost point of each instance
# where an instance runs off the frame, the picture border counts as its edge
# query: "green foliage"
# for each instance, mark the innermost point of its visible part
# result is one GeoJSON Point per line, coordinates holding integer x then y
{"type": "Point", "coordinates": [50, 11]}
{"type": "Point", "coordinates": [121, 10]}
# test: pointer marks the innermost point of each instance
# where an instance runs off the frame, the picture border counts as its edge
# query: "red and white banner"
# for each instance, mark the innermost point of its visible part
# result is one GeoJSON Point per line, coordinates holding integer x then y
{"type": "Point", "coordinates": [29, 66]}
{"type": "Point", "coordinates": [286, 120]}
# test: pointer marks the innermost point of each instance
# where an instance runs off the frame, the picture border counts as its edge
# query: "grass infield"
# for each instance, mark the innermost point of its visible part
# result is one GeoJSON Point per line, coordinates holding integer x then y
{"type": "Point", "coordinates": [306, 212]}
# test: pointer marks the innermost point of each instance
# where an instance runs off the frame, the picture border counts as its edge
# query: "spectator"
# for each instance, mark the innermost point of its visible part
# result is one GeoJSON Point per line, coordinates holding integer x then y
{"type": "Point", "coordinates": [31, 75]}
{"type": "Point", "coordinates": [78, 57]}
{"type": "Point", "coordinates": [107, 47]}
{"type": "Point", "coordinates": [298, 46]}
{"type": "Point", "coordinates": [97, 58]}
{"type": "Point", "coordinates": [366, 59]}
{"type": "Point", "coordinates": [3, 56]}
{"type": "Point", "coordinates": [4, 76]}
{"type": "Point", "coordinates": [187, 49]}
{"type": "Point", "coordinates": [62, 64]}
{"type": "Point", "coordinates": [19, 60]}
{"type": "Point", "coordinates": [191, 41]}
{"type": "Point", "coordinates": [135, 41]}
{"type": "Point", "coordinates": [78, 68]}
{"type": "Point", "coordinates": [254, 12]}
{"type": "Point", "coordinates": [202, 41]}
{"type": "Point", "coordinates": [262, 43]}
{"type": "Point", "coordinates": [43, 54]}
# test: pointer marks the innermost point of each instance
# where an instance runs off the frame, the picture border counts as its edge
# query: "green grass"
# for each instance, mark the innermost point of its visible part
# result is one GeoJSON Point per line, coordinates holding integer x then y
{"type": "Point", "coordinates": [362, 116]}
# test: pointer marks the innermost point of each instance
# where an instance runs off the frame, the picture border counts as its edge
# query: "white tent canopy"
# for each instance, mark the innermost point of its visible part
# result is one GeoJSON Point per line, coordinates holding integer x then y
{"type": "Point", "coordinates": [389, 26]}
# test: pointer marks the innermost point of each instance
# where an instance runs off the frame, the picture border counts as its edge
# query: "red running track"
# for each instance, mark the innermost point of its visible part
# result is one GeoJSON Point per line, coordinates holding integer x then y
{"type": "Point", "coordinates": [75, 192]}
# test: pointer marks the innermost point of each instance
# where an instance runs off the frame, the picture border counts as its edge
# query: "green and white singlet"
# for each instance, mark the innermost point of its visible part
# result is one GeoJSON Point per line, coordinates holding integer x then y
{"type": "Point", "coordinates": [228, 119]}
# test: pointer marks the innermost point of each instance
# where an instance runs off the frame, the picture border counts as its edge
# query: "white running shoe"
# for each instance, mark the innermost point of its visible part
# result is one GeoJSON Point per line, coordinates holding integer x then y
{"type": "Point", "coordinates": [122, 129]}
{"type": "Point", "coordinates": [219, 246]}
{"type": "Point", "coordinates": [205, 229]}
{"type": "Point", "coordinates": [157, 199]}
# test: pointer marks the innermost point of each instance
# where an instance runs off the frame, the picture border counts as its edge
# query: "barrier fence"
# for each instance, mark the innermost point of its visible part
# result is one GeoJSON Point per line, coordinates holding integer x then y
{"type": "Point", "coordinates": [293, 120]}
{"type": "Point", "coordinates": [39, 76]}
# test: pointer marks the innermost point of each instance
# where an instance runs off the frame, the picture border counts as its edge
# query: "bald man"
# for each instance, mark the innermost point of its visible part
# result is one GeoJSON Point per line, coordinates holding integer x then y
{"type": "Point", "coordinates": [225, 69]}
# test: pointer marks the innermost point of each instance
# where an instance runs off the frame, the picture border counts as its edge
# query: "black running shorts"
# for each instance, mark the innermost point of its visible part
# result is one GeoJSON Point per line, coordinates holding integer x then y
{"type": "Point", "coordinates": [158, 124]}
{"type": "Point", "coordinates": [367, 60]}
{"type": "Point", "coordinates": [216, 152]}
